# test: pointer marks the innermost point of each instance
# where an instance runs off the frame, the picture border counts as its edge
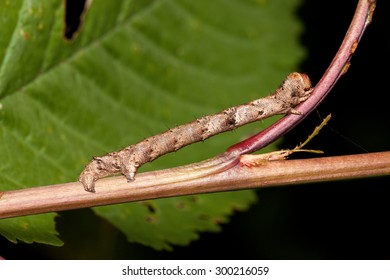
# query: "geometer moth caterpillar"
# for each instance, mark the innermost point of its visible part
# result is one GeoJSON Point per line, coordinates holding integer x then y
{"type": "Point", "coordinates": [295, 89]}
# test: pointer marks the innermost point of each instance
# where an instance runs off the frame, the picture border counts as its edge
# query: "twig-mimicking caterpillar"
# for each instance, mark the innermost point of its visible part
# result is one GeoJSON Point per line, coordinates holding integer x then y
{"type": "Point", "coordinates": [295, 89]}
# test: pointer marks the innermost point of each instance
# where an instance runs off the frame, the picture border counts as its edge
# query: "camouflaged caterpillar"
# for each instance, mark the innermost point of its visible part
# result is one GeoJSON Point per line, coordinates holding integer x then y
{"type": "Point", "coordinates": [295, 89]}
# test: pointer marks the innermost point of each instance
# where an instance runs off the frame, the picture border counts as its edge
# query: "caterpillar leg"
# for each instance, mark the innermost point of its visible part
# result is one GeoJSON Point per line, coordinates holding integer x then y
{"type": "Point", "coordinates": [88, 176]}
{"type": "Point", "coordinates": [99, 167]}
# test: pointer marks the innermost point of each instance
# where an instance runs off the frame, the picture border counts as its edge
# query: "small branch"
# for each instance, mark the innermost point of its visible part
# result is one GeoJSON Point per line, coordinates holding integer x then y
{"type": "Point", "coordinates": [164, 183]}
{"type": "Point", "coordinates": [338, 67]}
{"type": "Point", "coordinates": [253, 160]}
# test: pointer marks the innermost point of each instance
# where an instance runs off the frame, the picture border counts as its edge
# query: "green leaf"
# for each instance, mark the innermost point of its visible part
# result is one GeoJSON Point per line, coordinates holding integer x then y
{"type": "Point", "coordinates": [135, 69]}
{"type": "Point", "coordinates": [175, 220]}
{"type": "Point", "coordinates": [39, 228]}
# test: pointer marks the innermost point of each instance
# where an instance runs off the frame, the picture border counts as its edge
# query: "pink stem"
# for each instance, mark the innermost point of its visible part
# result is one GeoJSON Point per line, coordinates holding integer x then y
{"type": "Point", "coordinates": [336, 69]}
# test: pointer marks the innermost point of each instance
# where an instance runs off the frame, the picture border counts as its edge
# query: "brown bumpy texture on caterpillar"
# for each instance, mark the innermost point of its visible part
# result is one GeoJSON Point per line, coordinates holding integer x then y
{"type": "Point", "coordinates": [295, 89]}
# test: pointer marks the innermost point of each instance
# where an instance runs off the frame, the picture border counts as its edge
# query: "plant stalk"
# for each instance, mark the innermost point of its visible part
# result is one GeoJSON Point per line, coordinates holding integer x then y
{"type": "Point", "coordinates": [148, 185]}
{"type": "Point", "coordinates": [338, 67]}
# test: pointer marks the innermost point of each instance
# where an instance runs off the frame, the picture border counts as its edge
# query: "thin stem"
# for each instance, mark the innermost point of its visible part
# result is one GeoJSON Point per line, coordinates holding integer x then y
{"type": "Point", "coordinates": [337, 68]}
{"type": "Point", "coordinates": [148, 185]}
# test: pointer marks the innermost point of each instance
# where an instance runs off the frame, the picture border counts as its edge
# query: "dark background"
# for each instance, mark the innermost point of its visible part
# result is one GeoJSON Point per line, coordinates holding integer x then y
{"type": "Point", "coordinates": [337, 220]}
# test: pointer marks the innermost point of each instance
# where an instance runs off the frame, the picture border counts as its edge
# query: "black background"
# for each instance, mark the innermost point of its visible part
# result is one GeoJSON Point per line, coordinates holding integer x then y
{"type": "Point", "coordinates": [337, 220]}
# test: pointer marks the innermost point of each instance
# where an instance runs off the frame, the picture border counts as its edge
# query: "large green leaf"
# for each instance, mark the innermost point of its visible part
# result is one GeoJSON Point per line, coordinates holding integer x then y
{"type": "Point", "coordinates": [175, 220]}
{"type": "Point", "coordinates": [135, 69]}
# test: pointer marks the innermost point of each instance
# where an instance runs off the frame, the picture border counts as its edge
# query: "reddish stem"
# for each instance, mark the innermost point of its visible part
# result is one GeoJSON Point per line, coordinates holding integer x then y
{"type": "Point", "coordinates": [338, 67]}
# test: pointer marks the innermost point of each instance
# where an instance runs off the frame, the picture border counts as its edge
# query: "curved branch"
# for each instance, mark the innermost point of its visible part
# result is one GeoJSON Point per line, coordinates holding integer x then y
{"type": "Point", "coordinates": [338, 67]}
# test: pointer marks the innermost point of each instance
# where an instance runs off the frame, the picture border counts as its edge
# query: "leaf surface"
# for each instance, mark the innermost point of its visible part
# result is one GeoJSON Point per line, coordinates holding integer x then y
{"type": "Point", "coordinates": [135, 69]}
